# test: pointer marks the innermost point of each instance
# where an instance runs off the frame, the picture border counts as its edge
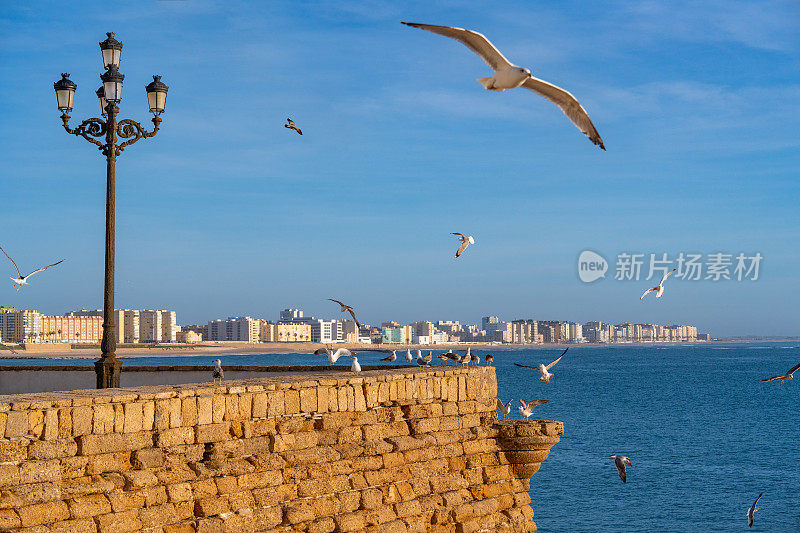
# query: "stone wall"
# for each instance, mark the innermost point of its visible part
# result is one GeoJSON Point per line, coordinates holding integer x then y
{"type": "Point", "coordinates": [389, 451]}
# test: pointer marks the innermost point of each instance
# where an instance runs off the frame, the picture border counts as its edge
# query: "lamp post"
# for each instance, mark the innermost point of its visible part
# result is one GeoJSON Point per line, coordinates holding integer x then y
{"type": "Point", "coordinates": [109, 95]}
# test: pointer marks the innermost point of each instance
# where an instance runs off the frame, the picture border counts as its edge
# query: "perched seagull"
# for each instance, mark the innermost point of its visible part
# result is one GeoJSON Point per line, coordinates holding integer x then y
{"type": "Point", "coordinates": [217, 373]}
{"type": "Point", "coordinates": [476, 359]}
{"type": "Point", "coordinates": [392, 358]}
{"type": "Point", "coordinates": [348, 309]}
{"type": "Point", "coordinates": [409, 357]}
{"type": "Point", "coordinates": [21, 280]}
{"type": "Point", "coordinates": [785, 377]}
{"type": "Point", "coordinates": [509, 76]}
{"type": "Point", "coordinates": [465, 241]}
{"type": "Point", "coordinates": [355, 367]}
{"type": "Point", "coordinates": [9, 348]}
{"type": "Point", "coordinates": [443, 357]}
{"type": "Point", "coordinates": [424, 361]}
{"type": "Point", "coordinates": [752, 511]}
{"type": "Point", "coordinates": [489, 359]}
{"type": "Point", "coordinates": [334, 355]}
{"type": "Point", "coordinates": [504, 409]}
{"type": "Point", "coordinates": [453, 356]}
{"type": "Point", "coordinates": [546, 376]}
{"type": "Point", "coordinates": [659, 289]}
{"type": "Point", "coordinates": [291, 126]}
{"type": "Point", "coordinates": [466, 358]}
{"type": "Point", "coordinates": [621, 461]}
{"type": "Point", "coordinates": [419, 354]}
{"type": "Point", "coordinates": [527, 408]}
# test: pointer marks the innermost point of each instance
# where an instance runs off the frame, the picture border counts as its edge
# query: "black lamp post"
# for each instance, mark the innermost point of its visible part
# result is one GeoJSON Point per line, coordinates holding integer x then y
{"type": "Point", "coordinates": [109, 95]}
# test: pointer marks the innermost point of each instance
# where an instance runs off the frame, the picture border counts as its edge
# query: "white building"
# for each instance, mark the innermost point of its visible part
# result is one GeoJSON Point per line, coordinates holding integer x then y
{"type": "Point", "coordinates": [240, 328]}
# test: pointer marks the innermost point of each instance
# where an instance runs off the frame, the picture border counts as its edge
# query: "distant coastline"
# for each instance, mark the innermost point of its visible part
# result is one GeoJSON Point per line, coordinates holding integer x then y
{"type": "Point", "coordinates": [91, 352]}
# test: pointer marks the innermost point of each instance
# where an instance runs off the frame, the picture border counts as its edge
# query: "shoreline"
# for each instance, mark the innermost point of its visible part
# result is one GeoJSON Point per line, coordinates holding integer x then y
{"type": "Point", "coordinates": [276, 348]}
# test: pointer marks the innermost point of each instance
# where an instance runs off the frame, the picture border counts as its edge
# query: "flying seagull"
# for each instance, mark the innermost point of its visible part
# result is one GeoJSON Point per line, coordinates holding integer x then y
{"type": "Point", "coordinates": [509, 76]}
{"type": "Point", "coordinates": [752, 510]}
{"type": "Point", "coordinates": [621, 461]}
{"type": "Point", "coordinates": [21, 280]}
{"type": "Point", "coordinates": [334, 355]}
{"type": "Point", "coordinates": [392, 358]}
{"type": "Point", "coordinates": [465, 241]}
{"type": "Point", "coordinates": [355, 367]}
{"type": "Point", "coordinates": [217, 373]}
{"type": "Point", "coordinates": [504, 409]}
{"type": "Point", "coordinates": [546, 376]}
{"type": "Point", "coordinates": [785, 377]}
{"type": "Point", "coordinates": [348, 309]}
{"type": "Point", "coordinates": [527, 407]}
{"type": "Point", "coordinates": [291, 126]}
{"type": "Point", "coordinates": [659, 289]}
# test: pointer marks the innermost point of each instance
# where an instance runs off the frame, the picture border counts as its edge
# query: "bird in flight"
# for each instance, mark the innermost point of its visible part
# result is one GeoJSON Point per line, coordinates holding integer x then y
{"type": "Point", "coordinates": [348, 309]}
{"type": "Point", "coordinates": [546, 376]}
{"type": "Point", "coordinates": [784, 377]}
{"type": "Point", "coordinates": [290, 124]}
{"type": "Point", "coordinates": [333, 356]}
{"type": "Point", "coordinates": [21, 280]}
{"type": "Point", "coordinates": [392, 358]}
{"type": "Point", "coordinates": [509, 76]}
{"type": "Point", "coordinates": [621, 461]}
{"type": "Point", "coordinates": [217, 373]}
{"type": "Point", "coordinates": [527, 407]}
{"type": "Point", "coordinates": [465, 241]}
{"type": "Point", "coordinates": [659, 289]}
{"type": "Point", "coordinates": [752, 510]}
{"type": "Point", "coordinates": [504, 409]}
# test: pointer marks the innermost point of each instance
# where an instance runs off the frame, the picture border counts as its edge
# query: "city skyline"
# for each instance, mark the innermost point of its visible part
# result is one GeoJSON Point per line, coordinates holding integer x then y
{"type": "Point", "coordinates": [227, 190]}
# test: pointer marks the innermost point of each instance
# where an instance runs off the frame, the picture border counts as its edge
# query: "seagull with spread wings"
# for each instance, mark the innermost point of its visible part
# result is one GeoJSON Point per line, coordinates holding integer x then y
{"type": "Point", "coordinates": [21, 280]}
{"type": "Point", "coordinates": [621, 461]}
{"type": "Point", "coordinates": [752, 510]}
{"type": "Point", "coordinates": [784, 377]}
{"type": "Point", "coordinates": [659, 289]}
{"type": "Point", "coordinates": [527, 407]}
{"type": "Point", "coordinates": [333, 356]}
{"type": "Point", "coordinates": [466, 240]}
{"type": "Point", "coordinates": [505, 409]}
{"type": "Point", "coordinates": [544, 370]}
{"type": "Point", "coordinates": [290, 124]}
{"type": "Point", "coordinates": [509, 76]}
{"type": "Point", "coordinates": [348, 309]}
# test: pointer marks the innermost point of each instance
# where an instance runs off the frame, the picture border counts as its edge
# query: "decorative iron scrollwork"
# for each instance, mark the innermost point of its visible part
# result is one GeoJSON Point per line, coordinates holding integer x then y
{"type": "Point", "coordinates": [133, 131]}
{"type": "Point", "coordinates": [89, 128]}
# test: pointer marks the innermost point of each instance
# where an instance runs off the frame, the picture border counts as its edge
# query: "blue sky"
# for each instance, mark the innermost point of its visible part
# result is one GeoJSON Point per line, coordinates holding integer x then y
{"type": "Point", "coordinates": [225, 212]}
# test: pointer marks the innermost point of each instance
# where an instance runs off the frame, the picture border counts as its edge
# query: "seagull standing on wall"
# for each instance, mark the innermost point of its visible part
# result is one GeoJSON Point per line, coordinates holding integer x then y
{"type": "Point", "coordinates": [348, 309]}
{"type": "Point", "coordinates": [21, 280]}
{"type": "Point", "coordinates": [355, 367]}
{"type": "Point", "coordinates": [465, 241]}
{"type": "Point", "coordinates": [217, 373]}
{"type": "Point", "coordinates": [659, 289]}
{"type": "Point", "coordinates": [409, 357]}
{"type": "Point", "coordinates": [392, 358]}
{"type": "Point", "coordinates": [509, 76]}
{"type": "Point", "coordinates": [504, 409]}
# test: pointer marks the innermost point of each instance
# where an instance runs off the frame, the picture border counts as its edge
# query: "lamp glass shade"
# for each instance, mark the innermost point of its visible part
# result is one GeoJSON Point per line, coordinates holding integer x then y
{"type": "Point", "coordinates": [101, 98]}
{"type": "Point", "coordinates": [112, 84]}
{"type": "Point", "coordinates": [65, 93]}
{"type": "Point", "coordinates": [156, 95]}
{"type": "Point", "coordinates": [111, 50]}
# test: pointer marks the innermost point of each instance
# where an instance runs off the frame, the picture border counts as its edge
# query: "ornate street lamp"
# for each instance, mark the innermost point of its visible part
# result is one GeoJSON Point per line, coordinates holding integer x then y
{"type": "Point", "coordinates": [110, 130]}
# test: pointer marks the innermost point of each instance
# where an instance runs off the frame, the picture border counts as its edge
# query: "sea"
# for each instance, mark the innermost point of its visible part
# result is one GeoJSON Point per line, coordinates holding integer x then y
{"type": "Point", "coordinates": [705, 436]}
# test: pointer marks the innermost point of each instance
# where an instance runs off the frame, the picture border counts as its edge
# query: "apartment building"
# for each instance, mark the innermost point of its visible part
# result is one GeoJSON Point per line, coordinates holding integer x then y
{"type": "Point", "coordinates": [240, 328]}
{"type": "Point", "coordinates": [285, 332]}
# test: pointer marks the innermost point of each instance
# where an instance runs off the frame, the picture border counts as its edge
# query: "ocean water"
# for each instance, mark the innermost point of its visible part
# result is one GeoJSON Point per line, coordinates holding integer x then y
{"type": "Point", "coordinates": [705, 436]}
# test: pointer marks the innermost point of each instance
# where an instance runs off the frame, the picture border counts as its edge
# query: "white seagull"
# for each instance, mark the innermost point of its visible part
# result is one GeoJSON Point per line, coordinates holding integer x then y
{"type": "Point", "coordinates": [752, 510]}
{"type": "Point", "coordinates": [217, 373]}
{"type": "Point", "coordinates": [621, 461]}
{"type": "Point", "coordinates": [527, 407]}
{"type": "Point", "coordinates": [409, 357]}
{"type": "Point", "coordinates": [659, 289]}
{"type": "Point", "coordinates": [509, 76]}
{"type": "Point", "coordinates": [466, 240]}
{"type": "Point", "coordinates": [21, 280]}
{"type": "Point", "coordinates": [334, 355]}
{"type": "Point", "coordinates": [784, 377]}
{"type": "Point", "coordinates": [546, 376]}
{"type": "Point", "coordinates": [504, 409]}
{"type": "Point", "coordinates": [355, 367]}
{"type": "Point", "coordinates": [392, 358]}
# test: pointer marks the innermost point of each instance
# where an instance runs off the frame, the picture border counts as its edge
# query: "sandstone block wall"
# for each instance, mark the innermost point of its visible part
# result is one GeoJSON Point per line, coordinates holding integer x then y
{"type": "Point", "coordinates": [389, 451]}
